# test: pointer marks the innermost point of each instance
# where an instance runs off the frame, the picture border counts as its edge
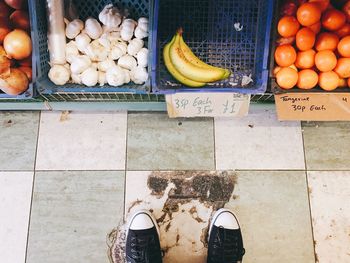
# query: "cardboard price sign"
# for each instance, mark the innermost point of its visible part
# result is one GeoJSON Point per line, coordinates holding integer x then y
{"type": "Point", "coordinates": [313, 106]}
{"type": "Point", "coordinates": [207, 104]}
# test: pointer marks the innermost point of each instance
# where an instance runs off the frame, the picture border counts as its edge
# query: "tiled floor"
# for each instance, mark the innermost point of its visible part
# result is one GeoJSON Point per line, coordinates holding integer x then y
{"type": "Point", "coordinates": [67, 182]}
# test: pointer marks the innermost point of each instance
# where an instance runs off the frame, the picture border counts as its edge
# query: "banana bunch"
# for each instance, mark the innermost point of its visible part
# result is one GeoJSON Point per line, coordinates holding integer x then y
{"type": "Point", "coordinates": [186, 67]}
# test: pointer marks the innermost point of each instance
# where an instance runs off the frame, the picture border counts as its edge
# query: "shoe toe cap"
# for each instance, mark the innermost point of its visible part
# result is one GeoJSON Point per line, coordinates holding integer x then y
{"type": "Point", "coordinates": [141, 221]}
{"type": "Point", "coordinates": [226, 220]}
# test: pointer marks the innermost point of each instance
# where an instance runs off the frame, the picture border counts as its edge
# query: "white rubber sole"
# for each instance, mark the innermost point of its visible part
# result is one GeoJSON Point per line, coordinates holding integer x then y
{"type": "Point", "coordinates": [217, 213]}
{"type": "Point", "coordinates": [143, 211]}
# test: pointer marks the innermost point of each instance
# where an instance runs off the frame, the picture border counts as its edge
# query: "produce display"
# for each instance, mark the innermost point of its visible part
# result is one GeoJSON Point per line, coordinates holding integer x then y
{"type": "Point", "coordinates": [186, 67]}
{"type": "Point", "coordinates": [111, 50]}
{"type": "Point", "coordinates": [15, 47]}
{"type": "Point", "coordinates": [313, 48]}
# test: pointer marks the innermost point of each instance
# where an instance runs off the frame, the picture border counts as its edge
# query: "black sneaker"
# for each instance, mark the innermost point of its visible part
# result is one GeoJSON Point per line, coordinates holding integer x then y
{"type": "Point", "coordinates": [142, 242]}
{"type": "Point", "coordinates": [225, 238]}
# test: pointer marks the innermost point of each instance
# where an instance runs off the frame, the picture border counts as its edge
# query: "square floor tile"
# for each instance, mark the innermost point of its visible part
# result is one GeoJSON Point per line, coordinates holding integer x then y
{"type": "Point", "coordinates": [15, 199]}
{"type": "Point", "coordinates": [82, 141]}
{"type": "Point", "coordinates": [258, 141]}
{"type": "Point", "coordinates": [330, 210]}
{"type": "Point", "coordinates": [327, 145]}
{"type": "Point", "coordinates": [182, 202]}
{"type": "Point", "coordinates": [274, 215]}
{"type": "Point", "coordinates": [73, 214]}
{"type": "Point", "coordinates": [19, 131]}
{"type": "Point", "coordinates": [156, 142]}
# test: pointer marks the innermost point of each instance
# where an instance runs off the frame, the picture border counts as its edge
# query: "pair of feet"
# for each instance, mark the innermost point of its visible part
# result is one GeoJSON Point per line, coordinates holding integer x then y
{"type": "Point", "coordinates": [225, 243]}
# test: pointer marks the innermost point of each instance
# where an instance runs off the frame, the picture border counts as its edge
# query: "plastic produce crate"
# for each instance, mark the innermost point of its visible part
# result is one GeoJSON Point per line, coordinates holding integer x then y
{"type": "Point", "coordinates": [86, 8]}
{"type": "Point", "coordinates": [30, 92]}
{"type": "Point", "coordinates": [209, 30]}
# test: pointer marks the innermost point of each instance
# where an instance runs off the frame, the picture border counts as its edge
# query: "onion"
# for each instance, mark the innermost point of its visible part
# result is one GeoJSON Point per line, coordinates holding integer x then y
{"type": "Point", "coordinates": [17, 44]}
{"type": "Point", "coordinates": [4, 28]}
{"type": "Point", "coordinates": [27, 62]}
{"type": "Point", "coordinates": [15, 84]}
{"type": "Point", "coordinates": [27, 71]}
{"type": "Point", "coordinates": [16, 4]}
{"type": "Point", "coordinates": [5, 65]}
{"type": "Point", "coordinates": [4, 9]}
{"type": "Point", "coordinates": [20, 20]}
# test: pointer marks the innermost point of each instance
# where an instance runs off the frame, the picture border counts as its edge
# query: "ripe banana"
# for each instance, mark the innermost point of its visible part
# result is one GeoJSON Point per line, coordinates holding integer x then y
{"type": "Point", "coordinates": [189, 70]}
{"type": "Point", "coordinates": [196, 61]}
{"type": "Point", "coordinates": [174, 72]}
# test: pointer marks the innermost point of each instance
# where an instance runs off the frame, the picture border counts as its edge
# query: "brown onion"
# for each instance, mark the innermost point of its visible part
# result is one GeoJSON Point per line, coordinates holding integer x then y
{"type": "Point", "coordinates": [15, 84]}
{"type": "Point", "coordinates": [5, 63]}
{"type": "Point", "coordinates": [27, 71]}
{"type": "Point", "coordinates": [5, 10]}
{"type": "Point", "coordinates": [18, 44]}
{"type": "Point", "coordinates": [20, 20]}
{"type": "Point", "coordinates": [4, 28]}
{"type": "Point", "coordinates": [16, 4]}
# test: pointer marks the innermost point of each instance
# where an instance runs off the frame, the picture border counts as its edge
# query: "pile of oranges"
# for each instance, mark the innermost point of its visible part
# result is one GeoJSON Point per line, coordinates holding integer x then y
{"type": "Point", "coordinates": [314, 45]}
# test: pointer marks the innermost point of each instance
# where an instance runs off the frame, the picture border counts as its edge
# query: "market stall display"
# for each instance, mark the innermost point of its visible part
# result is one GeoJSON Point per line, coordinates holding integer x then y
{"type": "Point", "coordinates": [16, 74]}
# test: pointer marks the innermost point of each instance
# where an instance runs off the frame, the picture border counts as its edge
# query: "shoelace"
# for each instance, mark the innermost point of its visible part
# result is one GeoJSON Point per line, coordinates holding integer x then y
{"type": "Point", "coordinates": [141, 247]}
{"type": "Point", "coordinates": [226, 247]}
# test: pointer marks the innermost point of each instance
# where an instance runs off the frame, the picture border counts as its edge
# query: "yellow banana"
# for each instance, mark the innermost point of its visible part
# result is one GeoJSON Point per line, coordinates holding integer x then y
{"type": "Point", "coordinates": [189, 70]}
{"type": "Point", "coordinates": [174, 72]}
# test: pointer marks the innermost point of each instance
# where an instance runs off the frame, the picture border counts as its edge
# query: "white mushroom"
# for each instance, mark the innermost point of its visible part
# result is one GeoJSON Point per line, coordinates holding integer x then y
{"type": "Point", "coordinates": [139, 75]}
{"type": "Point", "coordinates": [79, 64]}
{"type": "Point", "coordinates": [115, 76]}
{"type": "Point", "coordinates": [73, 28]}
{"type": "Point", "coordinates": [127, 62]}
{"type": "Point", "coordinates": [89, 77]}
{"type": "Point", "coordinates": [135, 46]}
{"type": "Point", "coordinates": [71, 51]}
{"type": "Point", "coordinates": [142, 57]}
{"type": "Point", "coordinates": [105, 65]}
{"type": "Point", "coordinates": [76, 78]}
{"type": "Point", "coordinates": [118, 51]}
{"type": "Point", "coordinates": [93, 28]}
{"type": "Point", "coordinates": [127, 29]}
{"type": "Point", "coordinates": [141, 30]}
{"type": "Point", "coordinates": [59, 75]}
{"type": "Point", "coordinates": [96, 51]}
{"type": "Point", "coordinates": [82, 41]}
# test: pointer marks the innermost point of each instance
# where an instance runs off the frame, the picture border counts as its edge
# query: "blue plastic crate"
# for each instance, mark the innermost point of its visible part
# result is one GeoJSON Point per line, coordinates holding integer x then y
{"type": "Point", "coordinates": [86, 8]}
{"type": "Point", "coordinates": [210, 32]}
{"type": "Point", "coordinates": [30, 92]}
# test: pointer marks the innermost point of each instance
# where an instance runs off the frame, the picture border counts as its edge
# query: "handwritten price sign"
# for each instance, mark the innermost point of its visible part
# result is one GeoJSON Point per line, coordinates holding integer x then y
{"type": "Point", "coordinates": [207, 104]}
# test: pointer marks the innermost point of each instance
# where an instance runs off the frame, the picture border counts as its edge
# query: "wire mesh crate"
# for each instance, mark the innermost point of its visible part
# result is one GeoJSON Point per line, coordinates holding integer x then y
{"type": "Point", "coordinates": [232, 34]}
{"type": "Point", "coordinates": [86, 8]}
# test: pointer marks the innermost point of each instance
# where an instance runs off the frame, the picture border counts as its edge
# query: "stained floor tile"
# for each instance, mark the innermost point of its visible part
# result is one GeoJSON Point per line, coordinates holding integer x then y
{"type": "Point", "coordinates": [182, 202]}
{"type": "Point", "coordinates": [327, 145]}
{"type": "Point", "coordinates": [15, 198]}
{"type": "Point", "coordinates": [156, 142]}
{"type": "Point", "coordinates": [273, 210]}
{"type": "Point", "coordinates": [258, 141]}
{"type": "Point", "coordinates": [18, 131]}
{"type": "Point", "coordinates": [330, 209]}
{"type": "Point", "coordinates": [73, 214]}
{"type": "Point", "coordinates": [82, 141]}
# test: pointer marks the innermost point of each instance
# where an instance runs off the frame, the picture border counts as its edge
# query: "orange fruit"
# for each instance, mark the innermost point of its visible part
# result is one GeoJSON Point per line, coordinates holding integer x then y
{"type": "Point", "coordinates": [322, 4]}
{"type": "Point", "coordinates": [326, 41]}
{"type": "Point", "coordinates": [287, 78]}
{"type": "Point", "coordinates": [316, 27]}
{"type": "Point", "coordinates": [343, 31]}
{"type": "Point", "coordinates": [278, 68]}
{"type": "Point", "coordinates": [344, 47]}
{"type": "Point", "coordinates": [305, 59]}
{"type": "Point", "coordinates": [328, 80]}
{"type": "Point", "coordinates": [288, 26]}
{"type": "Point", "coordinates": [308, 14]}
{"type": "Point", "coordinates": [305, 39]}
{"type": "Point", "coordinates": [325, 60]}
{"type": "Point", "coordinates": [346, 10]}
{"type": "Point", "coordinates": [343, 68]}
{"type": "Point", "coordinates": [342, 83]}
{"type": "Point", "coordinates": [307, 79]}
{"type": "Point", "coordinates": [285, 55]}
{"type": "Point", "coordinates": [333, 19]}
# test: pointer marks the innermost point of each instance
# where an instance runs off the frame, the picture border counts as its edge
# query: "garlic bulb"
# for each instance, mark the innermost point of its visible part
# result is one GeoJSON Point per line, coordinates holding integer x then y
{"type": "Point", "coordinates": [127, 29]}
{"type": "Point", "coordinates": [73, 28]}
{"type": "Point", "coordinates": [96, 51]}
{"type": "Point", "coordinates": [89, 77]}
{"type": "Point", "coordinates": [76, 78]}
{"type": "Point", "coordinates": [105, 42]}
{"type": "Point", "coordinates": [135, 46]}
{"type": "Point", "coordinates": [115, 76]}
{"type": "Point", "coordinates": [93, 28]}
{"type": "Point", "coordinates": [82, 41]}
{"type": "Point", "coordinates": [101, 78]}
{"type": "Point", "coordinates": [118, 51]}
{"type": "Point", "coordinates": [79, 64]}
{"type": "Point", "coordinates": [139, 75]}
{"type": "Point", "coordinates": [59, 75]}
{"type": "Point", "coordinates": [127, 62]}
{"type": "Point", "coordinates": [114, 38]}
{"type": "Point", "coordinates": [110, 16]}
{"type": "Point", "coordinates": [126, 76]}
{"type": "Point", "coordinates": [141, 30]}
{"type": "Point", "coordinates": [142, 57]}
{"type": "Point", "coordinates": [71, 51]}
{"type": "Point", "coordinates": [105, 65]}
